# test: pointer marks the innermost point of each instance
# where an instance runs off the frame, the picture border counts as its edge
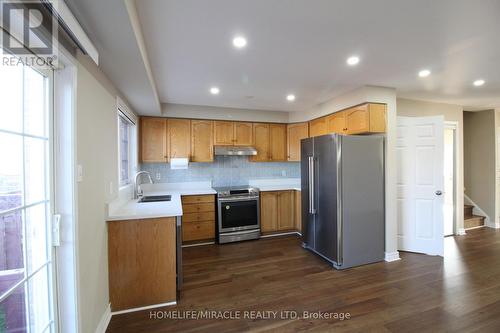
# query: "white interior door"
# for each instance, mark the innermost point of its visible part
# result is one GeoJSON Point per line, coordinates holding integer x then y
{"type": "Point", "coordinates": [420, 184]}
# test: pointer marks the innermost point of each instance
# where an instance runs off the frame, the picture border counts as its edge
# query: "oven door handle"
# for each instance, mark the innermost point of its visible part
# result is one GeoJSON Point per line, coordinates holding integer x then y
{"type": "Point", "coordinates": [238, 199]}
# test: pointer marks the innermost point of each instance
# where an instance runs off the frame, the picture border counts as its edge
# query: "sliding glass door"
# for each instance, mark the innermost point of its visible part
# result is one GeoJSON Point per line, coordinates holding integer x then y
{"type": "Point", "coordinates": [26, 279]}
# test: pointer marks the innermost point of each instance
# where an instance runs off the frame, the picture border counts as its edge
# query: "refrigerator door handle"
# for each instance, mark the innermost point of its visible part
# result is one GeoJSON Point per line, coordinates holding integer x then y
{"type": "Point", "coordinates": [312, 189]}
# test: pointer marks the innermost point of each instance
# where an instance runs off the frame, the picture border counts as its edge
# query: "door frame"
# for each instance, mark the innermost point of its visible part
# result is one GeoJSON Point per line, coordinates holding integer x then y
{"type": "Point", "coordinates": [65, 184]}
{"type": "Point", "coordinates": [456, 163]}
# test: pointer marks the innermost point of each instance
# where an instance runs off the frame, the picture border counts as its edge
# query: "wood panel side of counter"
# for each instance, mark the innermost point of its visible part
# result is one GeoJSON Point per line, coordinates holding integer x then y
{"type": "Point", "coordinates": [142, 262]}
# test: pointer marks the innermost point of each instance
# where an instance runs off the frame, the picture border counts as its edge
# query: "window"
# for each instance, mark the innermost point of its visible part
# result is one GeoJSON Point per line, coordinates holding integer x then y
{"type": "Point", "coordinates": [126, 144]}
{"type": "Point", "coordinates": [26, 266]}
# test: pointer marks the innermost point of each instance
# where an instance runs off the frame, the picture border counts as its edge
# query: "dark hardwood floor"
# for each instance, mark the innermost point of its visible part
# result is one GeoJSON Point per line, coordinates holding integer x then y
{"type": "Point", "coordinates": [460, 293]}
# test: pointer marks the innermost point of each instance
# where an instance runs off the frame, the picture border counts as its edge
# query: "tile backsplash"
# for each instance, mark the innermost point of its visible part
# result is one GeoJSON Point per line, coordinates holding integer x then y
{"type": "Point", "coordinates": [224, 171]}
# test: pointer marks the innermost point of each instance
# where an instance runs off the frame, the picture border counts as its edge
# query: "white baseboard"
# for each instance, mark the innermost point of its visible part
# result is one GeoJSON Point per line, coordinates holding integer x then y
{"type": "Point", "coordinates": [392, 256]}
{"type": "Point", "coordinates": [461, 232]}
{"type": "Point", "coordinates": [142, 308]}
{"type": "Point", "coordinates": [493, 225]}
{"type": "Point", "coordinates": [104, 322]}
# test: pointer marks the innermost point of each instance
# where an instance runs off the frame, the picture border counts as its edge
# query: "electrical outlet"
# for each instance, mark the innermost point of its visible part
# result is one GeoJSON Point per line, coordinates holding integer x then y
{"type": "Point", "coordinates": [158, 176]}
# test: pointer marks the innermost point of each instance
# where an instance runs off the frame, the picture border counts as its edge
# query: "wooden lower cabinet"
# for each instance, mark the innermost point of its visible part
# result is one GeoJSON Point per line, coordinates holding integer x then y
{"type": "Point", "coordinates": [141, 262]}
{"type": "Point", "coordinates": [268, 212]}
{"type": "Point", "coordinates": [198, 219]}
{"type": "Point", "coordinates": [277, 211]}
{"type": "Point", "coordinates": [298, 211]}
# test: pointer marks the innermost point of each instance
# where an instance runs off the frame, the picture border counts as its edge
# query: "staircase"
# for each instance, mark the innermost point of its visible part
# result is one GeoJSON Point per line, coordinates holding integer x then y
{"type": "Point", "coordinates": [471, 220]}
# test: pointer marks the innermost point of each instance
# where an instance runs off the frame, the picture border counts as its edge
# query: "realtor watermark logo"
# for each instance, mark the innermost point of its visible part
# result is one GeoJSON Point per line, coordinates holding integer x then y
{"type": "Point", "coordinates": [29, 33]}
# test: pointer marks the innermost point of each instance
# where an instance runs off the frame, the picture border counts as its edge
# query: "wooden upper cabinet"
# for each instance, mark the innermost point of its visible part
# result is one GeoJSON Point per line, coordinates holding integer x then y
{"type": "Point", "coordinates": [261, 142]}
{"type": "Point", "coordinates": [179, 138]}
{"type": "Point", "coordinates": [268, 211]}
{"type": "Point", "coordinates": [286, 211]}
{"type": "Point", "coordinates": [295, 133]}
{"type": "Point", "coordinates": [243, 134]}
{"type": "Point", "coordinates": [378, 118]}
{"type": "Point", "coordinates": [366, 118]}
{"type": "Point", "coordinates": [318, 127]}
{"type": "Point", "coordinates": [223, 133]}
{"type": "Point", "coordinates": [277, 142]}
{"type": "Point", "coordinates": [202, 144]}
{"type": "Point", "coordinates": [336, 123]}
{"type": "Point", "coordinates": [153, 139]}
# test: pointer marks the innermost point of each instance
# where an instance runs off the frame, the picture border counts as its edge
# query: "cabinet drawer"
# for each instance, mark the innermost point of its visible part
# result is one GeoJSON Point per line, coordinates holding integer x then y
{"type": "Point", "coordinates": [198, 230]}
{"type": "Point", "coordinates": [198, 208]}
{"type": "Point", "coordinates": [196, 217]}
{"type": "Point", "coordinates": [189, 199]}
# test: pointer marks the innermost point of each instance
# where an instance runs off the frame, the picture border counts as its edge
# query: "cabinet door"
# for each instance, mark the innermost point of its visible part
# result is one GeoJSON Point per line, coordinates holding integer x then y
{"type": "Point", "coordinates": [268, 211]}
{"type": "Point", "coordinates": [153, 139]}
{"type": "Point", "coordinates": [179, 138]}
{"type": "Point", "coordinates": [224, 133]}
{"type": "Point", "coordinates": [336, 123]}
{"type": "Point", "coordinates": [277, 142]}
{"type": "Point", "coordinates": [295, 133]}
{"type": "Point", "coordinates": [286, 210]}
{"type": "Point", "coordinates": [298, 211]}
{"type": "Point", "coordinates": [243, 134]}
{"type": "Point", "coordinates": [377, 118]}
{"type": "Point", "coordinates": [261, 142]}
{"type": "Point", "coordinates": [202, 145]}
{"type": "Point", "coordinates": [318, 127]}
{"type": "Point", "coordinates": [358, 120]}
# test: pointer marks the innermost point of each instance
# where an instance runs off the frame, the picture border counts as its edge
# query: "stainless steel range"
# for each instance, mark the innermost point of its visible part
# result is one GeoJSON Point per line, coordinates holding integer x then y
{"type": "Point", "coordinates": [238, 213]}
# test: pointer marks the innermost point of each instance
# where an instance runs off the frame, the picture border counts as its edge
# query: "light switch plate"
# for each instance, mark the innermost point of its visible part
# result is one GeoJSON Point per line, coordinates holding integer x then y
{"type": "Point", "coordinates": [79, 173]}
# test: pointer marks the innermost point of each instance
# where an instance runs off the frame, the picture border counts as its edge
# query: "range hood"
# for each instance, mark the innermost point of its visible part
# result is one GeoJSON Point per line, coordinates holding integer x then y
{"type": "Point", "coordinates": [235, 151]}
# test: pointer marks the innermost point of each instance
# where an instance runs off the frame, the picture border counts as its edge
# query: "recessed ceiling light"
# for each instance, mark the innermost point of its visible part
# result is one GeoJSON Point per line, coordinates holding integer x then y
{"type": "Point", "coordinates": [239, 42]}
{"type": "Point", "coordinates": [354, 60]}
{"type": "Point", "coordinates": [290, 98]}
{"type": "Point", "coordinates": [424, 73]}
{"type": "Point", "coordinates": [479, 82]}
{"type": "Point", "coordinates": [214, 91]}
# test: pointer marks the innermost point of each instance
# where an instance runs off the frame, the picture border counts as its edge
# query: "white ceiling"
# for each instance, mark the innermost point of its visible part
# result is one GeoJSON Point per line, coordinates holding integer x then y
{"type": "Point", "coordinates": [300, 47]}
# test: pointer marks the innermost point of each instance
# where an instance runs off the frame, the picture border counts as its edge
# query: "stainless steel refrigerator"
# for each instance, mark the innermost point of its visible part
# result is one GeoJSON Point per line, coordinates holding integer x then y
{"type": "Point", "coordinates": [343, 213]}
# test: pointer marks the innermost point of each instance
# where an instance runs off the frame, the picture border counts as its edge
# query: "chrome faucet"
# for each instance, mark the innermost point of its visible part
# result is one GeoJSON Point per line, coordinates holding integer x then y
{"type": "Point", "coordinates": [137, 189]}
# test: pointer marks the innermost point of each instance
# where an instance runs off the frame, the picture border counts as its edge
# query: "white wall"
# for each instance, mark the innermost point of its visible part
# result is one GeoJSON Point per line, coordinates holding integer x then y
{"type": "Point", "coordinates": [497, 168]}
{"type": "Point", "coordinates": [375, 95]}
{"type": "Point", "coordinates": [412, 108]}
{"type": "Point", "coordinates": [97, 151]}
{"type": "Point", "coordinates": [218, 113]}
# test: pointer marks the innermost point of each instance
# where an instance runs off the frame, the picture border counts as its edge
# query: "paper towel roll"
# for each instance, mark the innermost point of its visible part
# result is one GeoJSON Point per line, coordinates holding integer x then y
{"type": "Point", "coordinates": [178, 163]}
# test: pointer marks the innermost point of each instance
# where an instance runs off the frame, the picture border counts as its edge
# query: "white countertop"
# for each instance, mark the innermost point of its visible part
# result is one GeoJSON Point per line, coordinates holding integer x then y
{"type": "Point", "coordinates": [130, 209]}
{"type": "Point", "coordinates": [279, 184]}
{"type": "Point", "coordinates": [133, 210]}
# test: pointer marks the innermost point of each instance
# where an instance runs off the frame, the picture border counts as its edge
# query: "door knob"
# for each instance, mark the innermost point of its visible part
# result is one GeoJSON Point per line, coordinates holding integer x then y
{"type": "Point", "coordinates": [439, 192]}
